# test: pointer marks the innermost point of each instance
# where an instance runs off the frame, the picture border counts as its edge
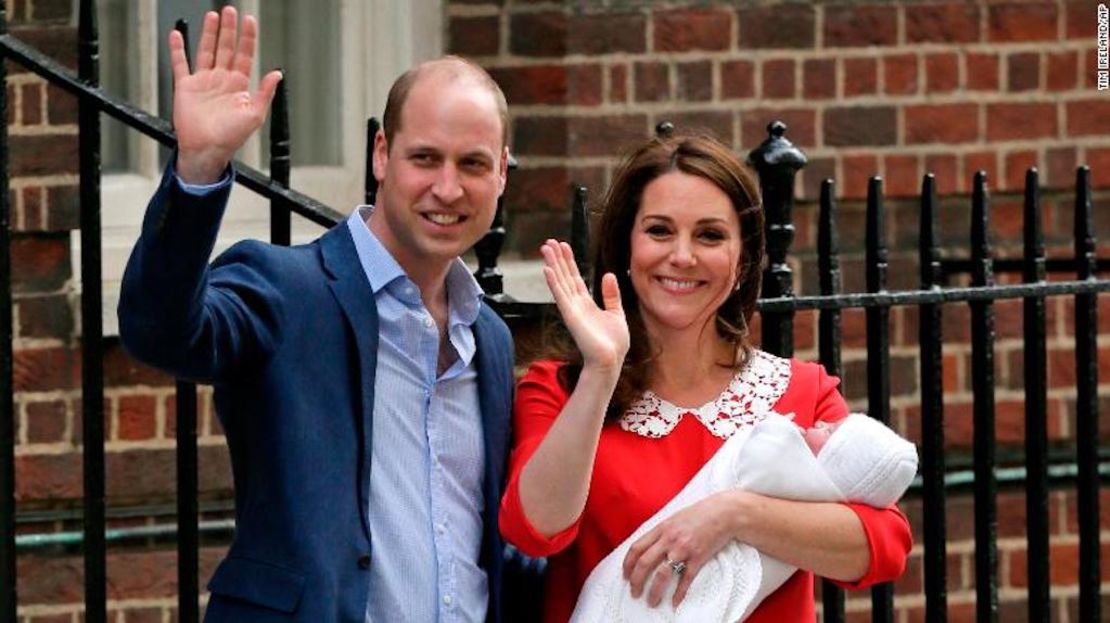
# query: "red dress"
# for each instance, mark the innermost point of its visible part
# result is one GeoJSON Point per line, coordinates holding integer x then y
{"type": "Point", "coordinates": [647, 456]}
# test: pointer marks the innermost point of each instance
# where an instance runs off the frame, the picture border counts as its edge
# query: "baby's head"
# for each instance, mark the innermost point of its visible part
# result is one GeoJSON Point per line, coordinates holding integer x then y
{"type": "Point", "coordinates": [818, 436]}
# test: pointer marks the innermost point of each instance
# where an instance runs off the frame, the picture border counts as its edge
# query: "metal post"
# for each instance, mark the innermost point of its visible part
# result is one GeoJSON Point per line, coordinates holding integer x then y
{"type": "Point", "coordinates": [280, 164]}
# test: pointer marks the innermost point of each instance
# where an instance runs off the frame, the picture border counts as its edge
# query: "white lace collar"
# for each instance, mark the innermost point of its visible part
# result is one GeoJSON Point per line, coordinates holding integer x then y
{"type": "Point", "coordinates": [746, 400]}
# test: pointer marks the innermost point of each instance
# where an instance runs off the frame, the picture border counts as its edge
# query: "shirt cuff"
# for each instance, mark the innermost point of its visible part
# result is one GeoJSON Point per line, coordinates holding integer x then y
{"type": "Point", "coordinates": [201, 190]}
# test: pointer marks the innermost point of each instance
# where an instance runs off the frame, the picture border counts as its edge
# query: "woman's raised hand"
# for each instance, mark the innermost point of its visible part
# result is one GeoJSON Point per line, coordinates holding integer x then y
{"type": "Point", "coordinates": [214, 112]}
{"type": "Point", "coordinates": [600, 334]}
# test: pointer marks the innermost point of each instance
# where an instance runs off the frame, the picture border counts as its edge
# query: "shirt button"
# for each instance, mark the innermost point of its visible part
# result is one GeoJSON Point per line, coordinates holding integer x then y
{"type": "Point", "coordinates": [447, 600]}
{"type": "Point", "coordinates": [428, 322]}
{"type": "Point", "coordinates": [364, 561]}
{"type": "Point", "coordinates": [441, 528]}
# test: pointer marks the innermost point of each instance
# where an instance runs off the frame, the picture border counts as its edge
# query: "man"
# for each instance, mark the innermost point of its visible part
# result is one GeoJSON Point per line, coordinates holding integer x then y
{"type": "Point", "coordinates": [363, 385]}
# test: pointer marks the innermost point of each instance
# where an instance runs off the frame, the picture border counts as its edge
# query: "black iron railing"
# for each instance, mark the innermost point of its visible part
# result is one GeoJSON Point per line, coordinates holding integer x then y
{"type": "Point", "coordinates": [777, 161]}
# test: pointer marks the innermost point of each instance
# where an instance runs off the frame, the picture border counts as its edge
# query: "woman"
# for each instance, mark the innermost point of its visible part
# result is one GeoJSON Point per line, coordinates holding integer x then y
{"type": "Point", "coordinates": [602, 442]}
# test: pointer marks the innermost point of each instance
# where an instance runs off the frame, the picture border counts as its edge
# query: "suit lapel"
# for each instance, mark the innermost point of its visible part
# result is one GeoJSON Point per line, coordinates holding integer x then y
{"type": "Point", "coordinates": [349, 285]}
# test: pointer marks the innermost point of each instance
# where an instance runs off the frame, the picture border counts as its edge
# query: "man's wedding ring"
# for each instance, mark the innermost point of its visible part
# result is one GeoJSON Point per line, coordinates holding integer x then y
{"type": "Point", "coordinates": [678, 567]}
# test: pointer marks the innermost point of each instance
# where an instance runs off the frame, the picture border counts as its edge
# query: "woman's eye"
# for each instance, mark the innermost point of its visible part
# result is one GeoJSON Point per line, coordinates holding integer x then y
{"type": "Point", "coordinates": [712, 235]}
{"type": "Point", "coordinates": [657, 230]}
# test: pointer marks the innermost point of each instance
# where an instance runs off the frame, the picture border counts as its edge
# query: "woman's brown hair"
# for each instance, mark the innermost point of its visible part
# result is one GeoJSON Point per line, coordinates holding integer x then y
{"type": "Point", "coordinates": [693, 154]}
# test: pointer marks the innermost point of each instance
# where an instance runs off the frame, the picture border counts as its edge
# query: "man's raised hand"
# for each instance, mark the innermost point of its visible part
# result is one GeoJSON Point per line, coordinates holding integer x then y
{"type": "Point", "coordinates": [214, 112]}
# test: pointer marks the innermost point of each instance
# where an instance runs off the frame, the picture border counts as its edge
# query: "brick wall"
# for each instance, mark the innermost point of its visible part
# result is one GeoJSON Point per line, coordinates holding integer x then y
{"type": "Point", "coordinates": [893, 88]}
{"type": "Point", "coordinates": [138, 404]}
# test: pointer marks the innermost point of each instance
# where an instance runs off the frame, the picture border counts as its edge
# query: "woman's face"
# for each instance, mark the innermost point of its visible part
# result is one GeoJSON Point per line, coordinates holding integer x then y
{"type": "Point", "coordinates": [685, 251]}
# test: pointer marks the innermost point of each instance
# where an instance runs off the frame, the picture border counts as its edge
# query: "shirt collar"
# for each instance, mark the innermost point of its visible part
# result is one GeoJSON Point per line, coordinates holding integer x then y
{"type": "Point", "coordinates": [464, 295]}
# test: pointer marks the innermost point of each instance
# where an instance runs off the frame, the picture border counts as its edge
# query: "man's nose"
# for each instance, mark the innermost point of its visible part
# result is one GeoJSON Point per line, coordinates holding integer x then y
{"type": "Point", "coordinates": [447, 188]}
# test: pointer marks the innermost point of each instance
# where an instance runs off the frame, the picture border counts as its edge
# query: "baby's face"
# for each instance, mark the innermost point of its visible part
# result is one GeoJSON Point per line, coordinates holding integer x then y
{"type": "Point", "coordinates": [817, 436]}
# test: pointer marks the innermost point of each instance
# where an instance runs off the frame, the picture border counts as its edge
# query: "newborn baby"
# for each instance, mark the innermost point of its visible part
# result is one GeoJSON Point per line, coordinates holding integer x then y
{"type": "Point", "coordinates": [857, 459]}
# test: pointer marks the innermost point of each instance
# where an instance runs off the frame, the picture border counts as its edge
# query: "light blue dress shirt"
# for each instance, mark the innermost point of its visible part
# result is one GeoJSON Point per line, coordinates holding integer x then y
{"type": "Point", "coordinates": [428, 452]}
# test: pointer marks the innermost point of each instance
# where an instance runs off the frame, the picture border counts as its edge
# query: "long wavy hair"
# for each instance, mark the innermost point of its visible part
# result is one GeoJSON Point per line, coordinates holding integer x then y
{"type": "Point", "coordinates": [693, 154]}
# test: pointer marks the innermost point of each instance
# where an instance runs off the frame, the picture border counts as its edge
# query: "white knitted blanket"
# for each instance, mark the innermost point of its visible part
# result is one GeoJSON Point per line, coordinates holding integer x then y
{"type": "Point", "coordinates": [863, 461]}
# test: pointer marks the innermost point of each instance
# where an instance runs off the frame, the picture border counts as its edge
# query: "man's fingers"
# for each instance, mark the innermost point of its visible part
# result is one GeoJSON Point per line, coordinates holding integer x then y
{"type": "Point", "coordinates": [267, 87]}
{"type": "Point", "coordinates": [248, 39]}
{"type": "Point", "coordinates": [178, 62]}
{"type": "Point", "coordinates": [206, 49]}
{"type": "Point", "coordinates": [225, 42]}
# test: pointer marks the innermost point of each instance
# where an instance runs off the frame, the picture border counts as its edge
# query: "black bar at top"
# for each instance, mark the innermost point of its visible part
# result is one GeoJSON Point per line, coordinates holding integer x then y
{"type": "Point", "coordinates": [92, 371]}
{"type": "Point", "coordinates": [7, 368]}
{"type": "Point", "coordinates": [1086, 405]}
{"type": "Point", "coordinates": [932, 413]}
{"type": "Point", "coordinates": [982, 364]}
{"type": "Point", "coordinates": [828, 343]}
{"type": "Point", "coordinates": [280, 215]}
{"type": "Point", "coordinates": [1036, 409]}
{"type": "Point", "coordinates": [878, 355]}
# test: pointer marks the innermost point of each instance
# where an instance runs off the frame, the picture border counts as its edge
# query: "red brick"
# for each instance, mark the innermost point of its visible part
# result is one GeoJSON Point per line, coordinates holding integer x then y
{"type": "Point", "coordinates": [136, 418]}
{"type": "Point", "coordinates": [945, 167]}
{"type": "Point", "coordinates": [33, 213]}
{"type": "Point", "coordinates": [618, 83]}
{"type": "Point", "coordinates": [695, 81]}
{"type": "Point", "coordinates": [46, 421]}
{"type": "Point", "coordinates": [979, 161]}
{"type": "Point", "coordinates": [982, 72]}
{"type": "Point", "coordinates": [143, 473]}
{"type": "Point", "coordinates": [653, 82]}
{"type": "Point", "coordinates": [902, 176]}
{"type": "Point", "coordinates": [10, 94]}
{"type": "Point", "coordinates": [779, 78]}
{"type": "Point", "coordinates": [1017, 163]}
{"type": "Point", "coordinates": [717, 123]}
{"type": "Point", "coordinates": [584, 85]}
{"type": "Point", "coordinates": [120, 370]}
{"type": "Point", "coordinates": [858, 25]}
{"type": "Point", "coordinates": [737, 79]}
{"type": "Point", "coordinates": [1062, 73]}
{"type": "Point", "coordinates": [53, 11]}
{"type": "Point", "coordinates": [540, 136]}
{"type": "Point", "coordinates": [1060, 164]}
{"type": "Point", "coordinates": [474, 36]}
{"type": "Point", "coordinates": [533, 84]}
{"type": "Point", "coordinates": [606, 135]}
{"type": "Point", "coordinates": [942, 73]}
{"type": "Point", "coordinates": [43, 154]}
{"type": "Point", "coordinates": [1013, 21]}
{"type": "Point", "coordinates": [544, 188]}
{"type": "Point", "coordinates": [801, 125]}
{"type": "Point", "coordinates": [538, 34]}
{"type": "Point", "coordinates": [1089, 69]}
{"type": "Point", "coordinates": [60, 44]}
{"type": "Point", "coordinates": [607, 33]}
{"type": "Point", "coordinates": [47, 477]}
{"type": "Point", "coordinates": [63, 207]}
{"type": "Point", "coordinates": [1099, 162]}
{"type": "Point", "coordinates": [941, 123]}
{"type": "Point", "coordinates": [61, 107]}
{"type": "Point", "coordinates": [942, 23]}
{"type": "Point", "coordinates": [1088, 117]}
{"type": "Point", "coordinates": [860, 125]}
{"type": "Point", "coordinates": [814, 173]}
{"type": "Point", "coordinates": [45, 317]}
{"type": "Point", "coordinates": [1016, 121]}
{"type": "Point", "coordinates": [1081, 18]}
{"type": "Point", "coordinates": [1023, 71]}
{"type": "Point", "coordinates": [169, 403]}
{"type": "Point", "coordinates": [861, 76]}
{"type": "Point", "coordinates": [40, 263]}
{"type": "Point", "coordinates": [855, 171]}
{"type": "Point", "coordinates": [900, 74]}
{"type": "Point", "coordinates": [781, 26]}
{"type": "Point", "coordinates": [682, 30]}
{"type": "Point", "coordinates": [32, 103]}
{"type": "Point", "coordinates": [819, 78]}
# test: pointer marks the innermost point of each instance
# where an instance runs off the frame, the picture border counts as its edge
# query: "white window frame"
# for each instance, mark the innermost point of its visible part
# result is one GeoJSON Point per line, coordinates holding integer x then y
{"type": "Point", "coordinates": [380, 39]}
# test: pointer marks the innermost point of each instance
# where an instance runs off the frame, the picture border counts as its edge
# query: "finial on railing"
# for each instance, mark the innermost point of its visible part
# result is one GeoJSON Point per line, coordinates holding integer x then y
{"type": "Point", "coordinates": [281, 228]}
{"type": "Point", "coordinates": [664, 129]}
{"type": "Point", "coordinates": [370, 183]}
{"type": "Point", "coordinates": [182, 26]}
{"type": "Point", "coordinates": [777, 162]}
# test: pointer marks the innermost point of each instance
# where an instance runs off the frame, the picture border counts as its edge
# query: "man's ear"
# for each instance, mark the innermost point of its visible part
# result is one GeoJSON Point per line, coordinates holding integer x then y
{"type": "Point", "coordinates": [503, 170]}
{"type": "Point", "coordinates": [381, 156]}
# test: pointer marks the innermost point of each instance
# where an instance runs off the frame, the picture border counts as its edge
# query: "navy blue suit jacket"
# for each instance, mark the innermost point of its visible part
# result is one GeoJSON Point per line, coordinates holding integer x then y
{"type": "Point", "coordinates": [288, 337]}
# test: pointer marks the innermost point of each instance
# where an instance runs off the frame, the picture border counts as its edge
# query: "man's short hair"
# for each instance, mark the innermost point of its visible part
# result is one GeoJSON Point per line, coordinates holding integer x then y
{"type": "Point", "coordinates": [455, 67]}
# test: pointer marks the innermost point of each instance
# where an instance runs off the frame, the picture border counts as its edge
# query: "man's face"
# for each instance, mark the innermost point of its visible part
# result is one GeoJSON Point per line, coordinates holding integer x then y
{"type": "Point", "coordinates": [441, 176]}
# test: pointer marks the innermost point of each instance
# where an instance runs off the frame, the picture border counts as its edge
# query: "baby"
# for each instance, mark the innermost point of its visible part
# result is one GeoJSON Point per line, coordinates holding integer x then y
{"type": "Point", "coordinates": [856, 459]}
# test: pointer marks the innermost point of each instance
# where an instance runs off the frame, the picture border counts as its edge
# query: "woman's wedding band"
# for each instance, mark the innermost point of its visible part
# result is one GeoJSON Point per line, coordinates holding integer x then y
{"type": "Point", "coordinates": [678, 567]}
